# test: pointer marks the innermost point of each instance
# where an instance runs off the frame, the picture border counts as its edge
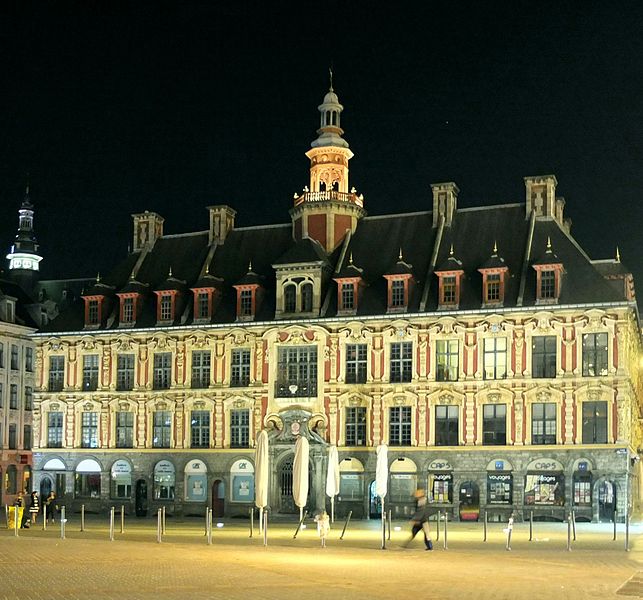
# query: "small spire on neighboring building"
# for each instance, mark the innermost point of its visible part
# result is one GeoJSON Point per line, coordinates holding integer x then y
{"type": "Point", "coordinates": [618, 255]}
{"type": "Point", "coordinates": [98, 277]}
{"type": "Point", "coordinates": [350, 259]}
{"type": "Point", "coordinates": [495, 247]}
{"type": "Point", "coordinates": [169, 274]}
{"type": "Point", "coordinates": [451, 250]}
{"type": "Point", "coordinates": [548, 244]}
{"type": "Point", "coordinates": [400, 256]}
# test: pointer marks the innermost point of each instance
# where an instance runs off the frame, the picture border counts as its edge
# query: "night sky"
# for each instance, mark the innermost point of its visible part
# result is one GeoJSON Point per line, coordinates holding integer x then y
{"type": "Point", "coordinates": [113, 108]}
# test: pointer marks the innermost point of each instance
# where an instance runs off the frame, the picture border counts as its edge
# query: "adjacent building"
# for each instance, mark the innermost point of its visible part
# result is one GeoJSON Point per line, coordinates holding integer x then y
{"type": "Point", "coordinates": [494, 358]}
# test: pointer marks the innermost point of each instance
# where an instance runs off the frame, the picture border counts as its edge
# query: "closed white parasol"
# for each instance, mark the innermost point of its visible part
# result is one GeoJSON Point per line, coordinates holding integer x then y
{"type": "Point", "coordinates": [300, 474]}
{"type": "Point", "coordinates": [332, 479]}
{"type": "Point", "coordinates": [381, 471]}
{"type": "Point", "coordinates": [261, 473]}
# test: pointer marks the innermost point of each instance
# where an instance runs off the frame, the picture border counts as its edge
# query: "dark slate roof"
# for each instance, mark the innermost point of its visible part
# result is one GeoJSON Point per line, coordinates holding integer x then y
{"type": "Point", "coordinates": [494, 262]}
{"type": "Point", "coordinates": [375, 247]}
{"type": "Point", "coordinates": [98, 289]}
{"type": "Point", "coordinates": [22, 315]}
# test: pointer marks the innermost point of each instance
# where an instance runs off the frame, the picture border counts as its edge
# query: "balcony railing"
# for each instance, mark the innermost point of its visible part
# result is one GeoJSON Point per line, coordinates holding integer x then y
{"type": "Point", "coordinates": [330, 196]}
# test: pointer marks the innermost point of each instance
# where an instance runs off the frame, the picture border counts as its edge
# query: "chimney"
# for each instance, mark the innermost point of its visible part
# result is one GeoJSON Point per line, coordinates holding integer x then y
{"type": "Point", "coordinates": [445, 202]}
{"type": "Point", "coordinates": [221, 223]}
{"type": "Point", "coordinates": [541, 196]}
{"type": "Point", "coordinates": [148, 227]}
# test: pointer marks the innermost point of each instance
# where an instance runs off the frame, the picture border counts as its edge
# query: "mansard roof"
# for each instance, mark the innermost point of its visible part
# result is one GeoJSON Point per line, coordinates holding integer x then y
{"type": "Point", "coordinates": [373, 244]}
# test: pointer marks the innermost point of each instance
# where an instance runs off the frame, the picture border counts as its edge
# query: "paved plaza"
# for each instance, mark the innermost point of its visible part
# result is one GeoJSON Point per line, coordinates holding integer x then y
{"type": "Point", "coordinates": [39, 564]}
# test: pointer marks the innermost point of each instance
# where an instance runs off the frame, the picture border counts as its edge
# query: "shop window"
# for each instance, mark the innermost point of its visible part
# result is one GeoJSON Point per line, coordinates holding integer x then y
{"type": "Point", "coordinates": [54, 429]}
{"type": "Point", "coordinates": [356, 362]}
{"type": "Point", "coordinates": [296, 372]}
{"type": "Point", "coordinates": [200, 429]}
{"type": "Point", "coordinates": [162, 425]}
{"type": "Point", "coordinates": [121, 480]}
{"type": "Point", "coordinates": [242, 476]}
{"type": "Point", "coordinates": [90, 372]}
{"type": "Point", "coordinates": [124, 429]}
{"type": "Point", "coordinates": [543, 356]}
{"type": "Point", "coordinates": [89, 430]}
{"type": "Point", "coordinates": [125, 372]}
{"type": "Point", "coordinates": [400, 426]}
{"type": "Point", "coordinates": [447, 360]}
{"type": "Point", "coordinates": [87, 479]}
{"type": "Point", "coordinates": [162, 370]}
{"type": "Point", "coordinates": [441, 487]}
{"type": "Point", "coordinates": [240, 428]}
{"type": "Point", "coordinates": [196, 481]}
{"type": "Point", "coordinates": [355, 432]}
{"type": "Point", "coordinates": [594, 354]}
{"type": "Point", "coordinates": [446, 425]}
{"type": "Point", "coordinates": [351, 480]}
{"type": "Point", "coordinates": [495, 358]}
{"type": "Point", "coordinates": [543, 423]}
{"type": "Point", "coordinates": [494, 424]}
{"type": "Point", "coordinates": [545, 489]}
{"type": "Point", "coordinates": [401, 362]}
{"type": "Point", "coordinates": [240, 368]}
{"type": "Point", "coordinates": [164, 480]}
{"type": "Point", "coordinates": [201, 368]}
{"type": "Point", "coordinates": [595, 422]}
{"type": "Point", "coordinates": [582, 489]}
{"type": "Point", "coordinates": [499, 488]}
{"type": "Point", "coordinates": [56, 373]}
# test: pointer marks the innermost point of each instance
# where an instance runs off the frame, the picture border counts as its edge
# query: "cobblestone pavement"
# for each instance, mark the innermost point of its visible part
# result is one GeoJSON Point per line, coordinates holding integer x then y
{"type": "Point", "coordinates": [38, 564]}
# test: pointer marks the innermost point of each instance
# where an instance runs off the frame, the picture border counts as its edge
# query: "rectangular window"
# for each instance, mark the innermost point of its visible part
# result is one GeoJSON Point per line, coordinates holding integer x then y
{"type": "Point", "coordinates": [548, 284]}
{"type": "Point", "coordinates": [495, 358]}
{"type": "Point", "coordinates": [28, 397]}
{"type": "Point", "coordinates": [125, 372]}
{"type": "Point", "coordinates": [446, 425]}
{"type": "Point", "coordinates": [89, 430]}
{"type": "Point", "coordinates": [162, 429]}
{"type": "Point", "coordinates": [245, 303]}
{"type": "Point", "coordinates": [128, 310]}
{"type": "Point", "coordinates": [55, 430]}
{"type": "Point", "coordinates": [493, 287]}
{"type": "Point", "coordinates": [296, 372]}
{"type": "Point", "coordinates": [165, 311]}
{"type": "Point", "coordinates": [356, 363]}
{"type": "Point", "coordinates": [356, 426]}
{"type": "Point", "coordinates": [543, 356]}
{"type": "Point", "coordinates": [499, 488]}
{"type": "Point", "coordinates": [56, 373]}
{"type": "Point", "coordinates": [201, 368]}
{"type": "Point", "coordinates": [594, 354]}
{"type": "Point", "coordinates": [239, 428]}
{"type": "Point", "coordinates": [90, 372]}
{"type": "Point", "coordinates": [240, 371]}
{"type": "Point", "coordinates": [582, 490]}
{"type": "Point", "coordinates": [15, 362]}
{"type": "Point", "coordinates": [398, 295]}
{"type": "Point", "coordinates": [447, 360]}
{"type": "Point", "coordinates": [494, 424]}
{"type": "Point", "coordinates": [29, 359]}
{"type": "Point", "coordinates": [595, 422]}
{"type": "Point", "coordinates": [348, 296]}
{"type": "Point", "coordinates": [162, 370]}
{"type": "Point", "coordinates": [124, 429]}
{"type": "Point", "coordinates": [400, 426]}
{"type": "Point", "coordinates": [26, 440]}
{"type": "Point", "coordinates": [449, 289]}
{"type": "Point", "coordinates": [1, 355]}
{"type": "Point", "coordinates": [92, 312]}
{"type": "Point", "coordinates": [543, 423]}
{"type": "Point", "coordinates": [200, 429]}
{"type": "Point", "coordinates": [13, 441]}
{"type": "Point", "coordinates": [13, 396]}
{"type": "Point", "coordinates": [401, 362]}
{"type": "Point", "coordinates": [1, 396]}
{"type": "Point", "coordinates": [203, 305]}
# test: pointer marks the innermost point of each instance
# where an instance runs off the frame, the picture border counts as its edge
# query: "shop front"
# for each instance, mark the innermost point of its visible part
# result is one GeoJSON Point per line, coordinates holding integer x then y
{"type": "Point", "coordinates": [545, 490]}
{"type": "Point", "coordinates": [351, 489]}
{"type": "Point", "coordinates": [403, 483]}
{"type": "Point", "coordinates": [582, 490]}
{"type": "Point", "coordinates": [500, 490]}
{"type": "Point", "coordinates": [440, 485]}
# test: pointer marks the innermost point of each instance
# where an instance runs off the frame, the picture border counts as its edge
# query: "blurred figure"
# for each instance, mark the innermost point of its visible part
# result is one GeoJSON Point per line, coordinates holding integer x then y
{"type": "Point", "coordinates": [323, 526]}
{"type": "Point", "coordinates": [34, 507]}
{"type": "Point", "coordinates": [420, 519]}
{"type": "Point", "coordinates": [52, 508]}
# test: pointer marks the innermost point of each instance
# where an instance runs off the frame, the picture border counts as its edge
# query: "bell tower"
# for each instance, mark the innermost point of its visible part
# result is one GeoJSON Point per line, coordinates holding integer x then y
{"type": "Point", "coordinates": [328, 208]}
{"type": "Point", "coordinates": [23, 258]}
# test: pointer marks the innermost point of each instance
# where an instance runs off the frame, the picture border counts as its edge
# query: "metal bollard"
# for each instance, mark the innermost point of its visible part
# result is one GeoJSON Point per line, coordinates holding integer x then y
{"type": "Point", "coordinates": [265, 527]}
{"type": "Point", "coordinates": [573, 525]}
{"type": "Point", "coordinates": [569, 532]}
{"type": "Point", "coordinates": [446, 520]}
{"type": "Point", "coordinates": [163, 530]}
{"type": "Point", "coordinates": [627, 532]}
{"type": "Point", "coordinates": [437, 526]}
{"type": "Point", "coordinates": [252, 521]}
{"type": "Point", "coordinates": [82, 517]}
{"type": "Point", "coordinates": [531, 524]}
{"type": "Point", "coordinates": [383, 531]}
{"type": "Point", "coordinates": [484, 538]}
{"type": "Point", "coordinates": [510, 526]}
{"type": "Point", "coordinates": [6, 515]}
{"type": "Point", "coordinates": [44, 517]}
{"type": "Point", "coordinates": [614, 519]}
{"type": "Point", "coordinates": [111, 524]}
{"type": "Point", "coordinates": [16, 521]}
{"type": "Point", "coordinates": [207, 513]}
{"type": "Point", "coordinates": [63, 521]}
{"type": "Point", "coordinates": [209, 526]}
{"type": "Point", "coordinates": [388, 537]}
{"type": "Point", "coordinates": [159, 533]}
{"type": "Point", "coordinates": [348, 518]}
{"type": "Point", "coordinates": [301, 522]}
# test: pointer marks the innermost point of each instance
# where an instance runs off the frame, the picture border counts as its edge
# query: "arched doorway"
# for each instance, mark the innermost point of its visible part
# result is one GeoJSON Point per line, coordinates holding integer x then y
{"type": "Point", "coordinates": [606, 501]}
{"type": "Point", "coordinates": [374, 502]}
{"type": "Point", "coordinates": [218, 498]}
{"type": "Point", "coordinates": [46, 485]}
{"type": "Point", "coordinates": [141, 498]}
{"type": "Point", "coordinates": [469, 507]}
{"type": "Point", "coordinates": [286, 504]}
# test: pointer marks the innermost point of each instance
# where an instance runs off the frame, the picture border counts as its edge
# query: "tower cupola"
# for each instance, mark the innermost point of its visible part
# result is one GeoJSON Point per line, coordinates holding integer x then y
{"type": "Point", "coordinates": [328, 207]}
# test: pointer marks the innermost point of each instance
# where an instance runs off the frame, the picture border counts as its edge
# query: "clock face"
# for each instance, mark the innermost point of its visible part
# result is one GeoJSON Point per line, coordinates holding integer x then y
{"type": "Point", "coordinates": [295, 428]}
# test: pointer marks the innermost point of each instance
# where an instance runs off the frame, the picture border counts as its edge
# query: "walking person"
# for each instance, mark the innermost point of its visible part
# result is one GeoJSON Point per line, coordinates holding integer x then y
{"type": "Point", "coordinates": [323, 526]}
{"type": "Point", "coordinates": [52, 508]}
{"type": "Point", "coordinates": [420, 519]}
{"type": "Point", "coordinates": [34, 507]}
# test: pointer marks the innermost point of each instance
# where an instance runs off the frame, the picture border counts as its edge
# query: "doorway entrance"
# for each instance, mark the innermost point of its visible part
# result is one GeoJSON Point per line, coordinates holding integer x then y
{"type": "Point", "coordinates": [469, 501]}
{"type": "Point", "coordinates": [606, 501]}
{"type": "Point", "coordinates": [141, 498]}
{"type": "Point", "coordinates": [45, 488]}
{"type": "Point", "coordinates": [374, 503]}
{"type": "Point", "coordinates": [218, 498]}
{"type": "Point", "coordinates": [287, 503]}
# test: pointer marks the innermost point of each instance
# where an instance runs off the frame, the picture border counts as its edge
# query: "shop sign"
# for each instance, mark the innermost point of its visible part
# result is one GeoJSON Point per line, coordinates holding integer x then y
{"type": "Point", "coordinates": [440, 465]}
{"type": "Point", "coordinates": [163, 467]}
{"type": "Point", "coordinates": [496, 477]}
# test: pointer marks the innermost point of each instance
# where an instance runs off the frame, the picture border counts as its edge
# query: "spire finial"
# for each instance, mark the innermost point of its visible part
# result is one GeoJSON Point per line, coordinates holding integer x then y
{"type": "Point", "coordinates": [350, 259]}
{"type": "Point", "coordinates": [249, 266]}
{"type": "Point", "coordinates": [548, 244]}
{"type": "Point", "coordinates": [330, 73]}
{"type": "Point", "coordinates": [618, 255]}
{"type": "Point", "coordinates": [400, 256]}
{"type": "Point", "coordinates": [169, 274]}
{"type": "Point", "coordinates": [98, 277]}
{"type": "Point", "coordinates": [495, 247]}
{"type": "Point", "coordinates": [451, 250]}
{"type": "Point", "coordinates": [207, 269]}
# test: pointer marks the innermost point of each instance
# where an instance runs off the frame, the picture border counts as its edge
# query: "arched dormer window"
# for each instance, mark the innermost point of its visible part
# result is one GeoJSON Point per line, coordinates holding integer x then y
{"type": "Point", "coordinates": [307, 297]}
{"type": "Point", "coordinates": [290, 298]}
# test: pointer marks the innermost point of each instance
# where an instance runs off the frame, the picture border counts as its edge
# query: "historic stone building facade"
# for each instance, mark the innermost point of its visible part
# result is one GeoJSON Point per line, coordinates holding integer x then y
{"type": "Point", "coordinates": [497, 361]}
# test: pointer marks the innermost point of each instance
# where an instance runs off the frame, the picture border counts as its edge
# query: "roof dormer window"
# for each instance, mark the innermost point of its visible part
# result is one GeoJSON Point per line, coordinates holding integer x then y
{"type": "Point", "coordinates": [347, 298]}
{"type": "Point", "coordinates": [246, 298]}
{"type": "Point", "coordinates": [400, 279]}
{"type": "Point", "coordinates": [166, 307]}
{"type": "Point", "coordinates": [494, 274]}
{"type": "Point", "coordinates": [549, 270]}
{"type": "Point", "coordinates": [127, 309]}
{"type": "Point", "coordinates": [449, 290]}
{"type": "Point", "coordinates": [449, 277]}
{"type": "Point", "coordinates": [290, 298]}
{"type": "Point", "coordinates": [307, 297]}
{"type": "Point", "coordinates": [398, 293]}
{"type": "Point", "coordinates": [202, 305]}
{"type": "Point", "coordinates": [93, 311]}
{"type": "Point", "coordinates": [547, 288]}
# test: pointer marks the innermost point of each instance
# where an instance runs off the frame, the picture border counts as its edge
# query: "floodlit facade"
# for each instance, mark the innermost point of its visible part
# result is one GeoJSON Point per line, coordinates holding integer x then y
{"type": "Point", "coordinates": [498, 362]}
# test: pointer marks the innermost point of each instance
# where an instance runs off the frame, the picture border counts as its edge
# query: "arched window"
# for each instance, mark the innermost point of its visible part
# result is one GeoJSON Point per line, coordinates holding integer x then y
{"type": "Point", "coordinates": [334, 118]}
{"type": "Point", "coordinates": [121, 483]}
{"type": "Point", "coordinates": [164, 480]}
{"type": "Point", "coordinates": [242, 475]}
{"type": "Point", "coordinates": [335, 186]}
{"type": "Point", "coordinates": [328, 118]}
{"type": "Point", "coordinates": [290, 298]}
{"type": "Point", "coordinates": [196, 481]}
{"type": "Point", "coordinates": [322, 186]}
{"type": "Point", "coordinates": [87, 482]}
{"type": "Point", "coordinates": [307, 297]}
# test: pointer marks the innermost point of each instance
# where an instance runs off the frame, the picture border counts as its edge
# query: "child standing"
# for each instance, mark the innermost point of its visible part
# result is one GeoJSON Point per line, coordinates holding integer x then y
{"type": "Point", "coordinates": [323, 526]}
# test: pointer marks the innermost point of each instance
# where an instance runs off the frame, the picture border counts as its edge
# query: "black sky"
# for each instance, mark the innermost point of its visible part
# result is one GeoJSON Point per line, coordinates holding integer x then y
{"type": "Point", "coordinates": [114, 108]}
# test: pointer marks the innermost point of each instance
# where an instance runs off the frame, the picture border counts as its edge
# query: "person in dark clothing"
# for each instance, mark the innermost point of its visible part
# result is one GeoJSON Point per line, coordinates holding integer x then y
{"type": "Point", "coordinates": [34, 507]}
{"type": "Point", "coordinates": [26, 515]}
{"type": "Point", "coordinates": [420, 520]}
{"type": "Point", "coordinates": [52, 508]}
